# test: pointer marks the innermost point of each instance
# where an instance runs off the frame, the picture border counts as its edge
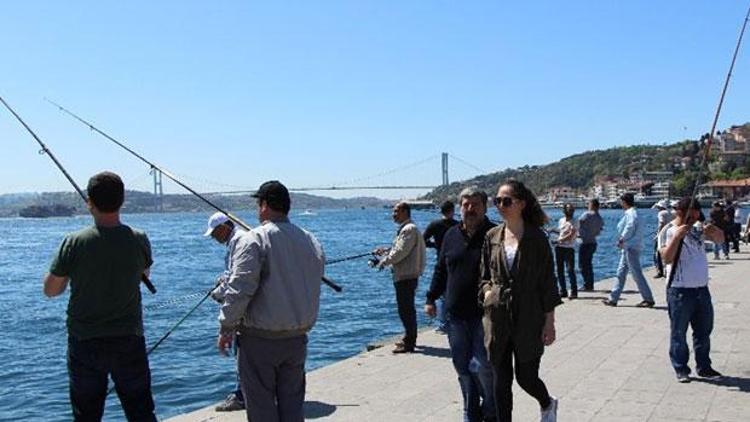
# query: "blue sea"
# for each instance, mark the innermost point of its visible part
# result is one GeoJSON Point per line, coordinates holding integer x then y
{"type": "Point", "coordinates": [187, 371]}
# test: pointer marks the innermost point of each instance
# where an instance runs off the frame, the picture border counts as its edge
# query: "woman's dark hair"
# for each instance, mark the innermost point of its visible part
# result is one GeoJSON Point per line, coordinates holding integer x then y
{"type": "Point", "coordinates": [106, 191]}
{"type": "Point", "coordinates": [532, 212]}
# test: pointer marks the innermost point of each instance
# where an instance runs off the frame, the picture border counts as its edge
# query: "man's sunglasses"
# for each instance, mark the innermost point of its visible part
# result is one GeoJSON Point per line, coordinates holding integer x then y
{"type": "Point", "coordinates": [502, 201]}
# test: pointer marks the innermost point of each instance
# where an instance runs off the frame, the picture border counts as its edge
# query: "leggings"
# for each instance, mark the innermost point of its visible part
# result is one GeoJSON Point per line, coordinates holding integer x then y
{"type": "Point", "coordinates": [527, 375]}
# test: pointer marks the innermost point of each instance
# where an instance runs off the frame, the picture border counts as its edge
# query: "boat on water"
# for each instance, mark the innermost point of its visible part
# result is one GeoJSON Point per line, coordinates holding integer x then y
{"type": "Point", "coordinates": [307, 212]}
{"type": "Point", "coordinates": [44, 211]}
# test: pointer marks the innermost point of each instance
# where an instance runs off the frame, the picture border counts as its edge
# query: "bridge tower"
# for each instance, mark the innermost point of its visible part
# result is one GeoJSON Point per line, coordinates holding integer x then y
{"type": "Point", "coordinates": [445, 169]}
{"type": "Point", "coordinates": [158, 191]}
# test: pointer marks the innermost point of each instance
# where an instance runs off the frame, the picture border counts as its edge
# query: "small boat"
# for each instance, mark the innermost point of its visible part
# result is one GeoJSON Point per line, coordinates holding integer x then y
{"type": "Point", "coordinates": [307, 212]}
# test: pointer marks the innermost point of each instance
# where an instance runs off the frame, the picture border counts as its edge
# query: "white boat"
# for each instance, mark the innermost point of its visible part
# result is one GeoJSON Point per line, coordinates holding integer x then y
{"type": "Point", "coordinates": [307, 212]}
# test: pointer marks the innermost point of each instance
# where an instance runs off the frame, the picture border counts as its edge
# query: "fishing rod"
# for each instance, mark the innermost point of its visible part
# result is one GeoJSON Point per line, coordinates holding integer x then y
{"type": "Point", "coordinates": [49, 153]}
{"type": "Point", "coordinates": [172, 177]}
{"type": "Point", "coordinates": [709, 140]}
{"type": "Point", "coordinates": [349, 258]}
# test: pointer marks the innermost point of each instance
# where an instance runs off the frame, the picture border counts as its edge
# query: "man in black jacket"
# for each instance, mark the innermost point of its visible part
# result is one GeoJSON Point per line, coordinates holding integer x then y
{"type": "Point", "coordinates": [457, 276]}
{"type": "Point", "coordinates": [433, 238]}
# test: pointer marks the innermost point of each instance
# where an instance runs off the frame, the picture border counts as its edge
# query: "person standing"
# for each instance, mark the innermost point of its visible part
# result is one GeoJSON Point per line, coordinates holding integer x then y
{"type": "Point", "coordinates": [718, 217]}
{"type": "Point", "coordinates": [456, 276]}
{"type": "Point", "coordinates": [663, 217]}
{"type": "Point", "coordinates": [734, 226]}
{"type": "Point", "coordinates": [630, 241]}
{"type": "Point", "coordinates": [590, 224]}
{"type": "Point", "coordinates": [688, 296]}
{"type": "Point", "coordinates": [272, 299]}
{"type": "Point", "coordinates": [406, 257]}
{"type": "Point", "coordinates": [223, 231]}
{"type": "Point", "coordinates": [104, 264]}
{"type": "Point", "coordinates": [565, 252]}
{"type": "Point", "coordinates": [519, 296]}
{"type": "Point", "coordinates": [433, 238]}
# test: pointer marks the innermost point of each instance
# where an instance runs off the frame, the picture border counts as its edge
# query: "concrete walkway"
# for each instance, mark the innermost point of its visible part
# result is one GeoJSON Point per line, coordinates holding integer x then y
{"type": "Point", "coordinates": [609, 364]}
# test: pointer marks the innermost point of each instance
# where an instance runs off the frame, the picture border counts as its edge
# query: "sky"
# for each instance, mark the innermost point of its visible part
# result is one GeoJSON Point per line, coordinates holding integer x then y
{"type": "Point", "coordinates": [228, 94]}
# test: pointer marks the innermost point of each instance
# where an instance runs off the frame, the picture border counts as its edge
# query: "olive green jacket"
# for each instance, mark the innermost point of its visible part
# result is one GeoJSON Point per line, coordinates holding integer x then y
{"type": "Point", "coordinates": [515, 300]}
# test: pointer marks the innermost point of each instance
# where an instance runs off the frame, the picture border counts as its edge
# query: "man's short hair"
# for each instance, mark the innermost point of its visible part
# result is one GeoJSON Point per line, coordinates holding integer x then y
{"type": "Point", "coordinates": [628, 198]}
{"type": "Point", "coordinates": [276, 196]}
{"type": "Point", "coordinates": [447, 207]}
{"type": "Point", "coordinates": [106, 191]}
{"type": "Point", "coordinates": [403, 206]}
{"type": "Point", "coordinates": [594, 203]}
{"type": "Point", "coordinates": [473, 191]}
{"type": "Point", "coordinates": [688, 203]}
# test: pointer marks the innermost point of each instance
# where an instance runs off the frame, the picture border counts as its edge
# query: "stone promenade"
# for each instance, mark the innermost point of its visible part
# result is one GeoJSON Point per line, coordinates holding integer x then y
{"type": "Point", "coordinates": [608, 364]}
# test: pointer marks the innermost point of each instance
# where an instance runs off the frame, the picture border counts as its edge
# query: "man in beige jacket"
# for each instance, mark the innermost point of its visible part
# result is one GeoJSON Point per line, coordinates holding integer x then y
{"type": "Point", "coordinates": [407, 258]}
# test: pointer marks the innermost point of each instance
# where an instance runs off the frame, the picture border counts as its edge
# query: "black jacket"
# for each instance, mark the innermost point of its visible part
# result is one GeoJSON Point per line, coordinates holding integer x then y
{"type": "Point", "coordinates": [457, 271]}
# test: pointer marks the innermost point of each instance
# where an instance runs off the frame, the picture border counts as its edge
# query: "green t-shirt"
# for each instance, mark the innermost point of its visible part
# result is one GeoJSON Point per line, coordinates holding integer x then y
{"type": "Point", "coordinates": [105, 266]}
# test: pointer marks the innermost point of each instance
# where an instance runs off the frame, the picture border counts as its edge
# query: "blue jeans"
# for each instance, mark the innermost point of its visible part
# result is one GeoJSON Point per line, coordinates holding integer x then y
{"type": "Point", "coordinates": [630, 260]}
{"type": "Point", "coordinates": [90, 362]}
{"type": "Point", "coordinates": [690, 306]}
{"type": "Point", "coordinates": [721, 247]}
{"type": "Point", "coordinates": [466, 339]}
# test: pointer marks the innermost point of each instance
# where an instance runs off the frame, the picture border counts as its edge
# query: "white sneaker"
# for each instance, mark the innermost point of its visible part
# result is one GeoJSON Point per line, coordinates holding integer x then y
{"type": "Point", "coordinates": [550, 413]}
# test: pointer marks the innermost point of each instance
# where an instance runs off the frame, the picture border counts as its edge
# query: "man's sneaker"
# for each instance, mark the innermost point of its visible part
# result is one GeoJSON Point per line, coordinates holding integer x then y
{"type": "Point", "coordinates": [564, 293]}
{"type": "Point", "coordinates": [683, 377]}
{"type": "Point", "coordinates": [573, 295]}
{"type": "Point", "coordinates": [709, 373]}
{"type": "Point", "coordinates": [550, 413]}
{"type": "Point", "coordinates": [230, 404]}
{"type": "Point", "coordinates": [659, 275]}
{"type": "Point", "coordinates": [645, 304]}
{"type": "Point", "coordinates": [609, 302]}
{"type": "Point", "coordinates": [403, 348]}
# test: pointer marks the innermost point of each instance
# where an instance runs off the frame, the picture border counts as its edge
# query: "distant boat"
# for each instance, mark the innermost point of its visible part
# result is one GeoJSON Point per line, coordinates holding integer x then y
{"type": "Point", "coordinates": [44, 211]}
{"type": "Point", "coordinates": [307, 212]}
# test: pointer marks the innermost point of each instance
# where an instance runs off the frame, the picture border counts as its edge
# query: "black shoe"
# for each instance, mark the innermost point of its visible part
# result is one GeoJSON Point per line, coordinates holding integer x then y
{"type": "Point", "coordinates": [564, 293]}
{"type": "Point", "coordinates": [645, 304]}
{"type": "Point", "coordinates": [573, 295]}
{"type": "Point", "coordinates": [709, 373]}
{"type": "Point", "coordinates": [230, 404]}
{"type": "Point", "coordinates": [659, 275]}
{"type": "Point", "coordinates": [403, 348]}
{"type": "Point", "coordinates": [683, 378]}
{"type": "Point", "coordinates": [588, 288]}
{"type": "Point", "coordinates": [609, 302]}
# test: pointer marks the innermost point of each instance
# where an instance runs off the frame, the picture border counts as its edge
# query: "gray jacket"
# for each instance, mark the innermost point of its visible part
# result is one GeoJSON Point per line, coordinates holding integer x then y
{"type": "Point", "coordinates": [408, 253]}
{"type": "Point", "coordinates": [273, 289]}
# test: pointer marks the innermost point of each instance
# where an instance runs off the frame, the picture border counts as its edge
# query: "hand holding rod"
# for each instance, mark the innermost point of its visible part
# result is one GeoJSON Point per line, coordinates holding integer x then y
{"type": "Point", "coordinates": [232, 217]}
{"type": "Point", "coordinates": [47, 151]}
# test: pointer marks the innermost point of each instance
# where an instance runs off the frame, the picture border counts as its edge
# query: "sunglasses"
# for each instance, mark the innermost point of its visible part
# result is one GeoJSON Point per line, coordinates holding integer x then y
{"type": "Point", "coordinates": [503, 201]}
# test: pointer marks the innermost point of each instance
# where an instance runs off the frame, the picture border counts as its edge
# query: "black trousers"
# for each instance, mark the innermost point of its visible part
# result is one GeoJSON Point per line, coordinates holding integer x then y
{"type": "Point", "coordinates": [585, 261]}
{"type": "Point", "coordinates": [527, 375]}
{"type": "Point", "coordinates": [565, 257]}
{"type": "Point", "coordinates": [90, 362]}
{"type": "Point", "coordinates": [405, 290]}
{"type": "Point", "coordinates": [657, 260]}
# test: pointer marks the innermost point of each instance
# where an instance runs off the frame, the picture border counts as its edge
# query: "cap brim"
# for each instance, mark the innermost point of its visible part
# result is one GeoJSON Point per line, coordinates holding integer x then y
{"type": "Point", "coordinates": [208, 232]}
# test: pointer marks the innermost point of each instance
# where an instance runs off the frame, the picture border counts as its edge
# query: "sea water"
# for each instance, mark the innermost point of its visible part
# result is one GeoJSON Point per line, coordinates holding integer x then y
{"type": "Point", "coordinates": [187, 371]}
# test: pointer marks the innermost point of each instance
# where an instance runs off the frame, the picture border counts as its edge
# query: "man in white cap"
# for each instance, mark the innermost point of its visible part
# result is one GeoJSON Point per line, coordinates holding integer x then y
{"type": "Point", "coordinates": [223, 230]}
{"type": "Point", "coordinates": [663, 218]}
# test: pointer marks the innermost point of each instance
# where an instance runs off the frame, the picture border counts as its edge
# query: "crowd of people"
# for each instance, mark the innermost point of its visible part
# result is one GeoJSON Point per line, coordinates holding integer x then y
{"type": "Point", "coordinates": [499, 285]}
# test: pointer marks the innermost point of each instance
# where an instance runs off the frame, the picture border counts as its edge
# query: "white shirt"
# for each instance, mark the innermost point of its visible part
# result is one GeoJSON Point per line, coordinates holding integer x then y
{"type": "Point", "coordinates": [664, 217]}
{"type": "Point", "coordinates": [566, 227]}
{"type": "Point", "coordinates": [692, 268]}
{"type": "Point", "coordinates": [510, 255]}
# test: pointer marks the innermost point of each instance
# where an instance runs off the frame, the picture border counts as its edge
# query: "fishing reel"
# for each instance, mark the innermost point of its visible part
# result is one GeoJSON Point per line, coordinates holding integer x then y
{"type": "Point", "coordinates": [373, 263]}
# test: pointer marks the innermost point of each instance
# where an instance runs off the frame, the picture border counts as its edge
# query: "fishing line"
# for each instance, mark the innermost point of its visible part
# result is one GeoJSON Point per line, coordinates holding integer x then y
{"type": "Point", "coordinates": [49, 153]}
{"type": "Point", "coordinates": [172, 177]}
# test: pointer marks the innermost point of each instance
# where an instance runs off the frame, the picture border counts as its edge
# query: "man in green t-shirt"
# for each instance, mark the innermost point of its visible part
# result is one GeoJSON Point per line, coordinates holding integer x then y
{"type": "Point", "coordinates": [104, 264]}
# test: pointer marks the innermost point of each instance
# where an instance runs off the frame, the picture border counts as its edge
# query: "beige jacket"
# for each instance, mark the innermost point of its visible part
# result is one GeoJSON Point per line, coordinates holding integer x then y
{"type": "Point", "coordinates": [407, 256]}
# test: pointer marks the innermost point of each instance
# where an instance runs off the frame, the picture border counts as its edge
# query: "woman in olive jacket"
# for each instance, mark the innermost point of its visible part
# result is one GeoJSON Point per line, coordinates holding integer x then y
{"type": "Point", "coordinates": [518, 294]}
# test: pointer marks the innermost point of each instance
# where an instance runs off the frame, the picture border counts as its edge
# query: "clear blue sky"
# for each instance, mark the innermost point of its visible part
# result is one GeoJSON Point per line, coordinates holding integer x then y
{"type": "Point", "coordinates": [325, 92]}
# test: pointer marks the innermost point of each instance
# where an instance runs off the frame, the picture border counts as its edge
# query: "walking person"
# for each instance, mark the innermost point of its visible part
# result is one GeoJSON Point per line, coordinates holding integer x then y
{"type": "Point", "coordinates": [104, 264]}
{"type": "Point", "coordinates": [456, 276]}
{"type": "Point", "coordinates": [406, 257]}
{"type": "Point", "coordinates": [519, 296]}
{"type": "Point", "coordinates": [590, 224]}
{"type": "Point", "coordinates": [630, 241]}
{"type": "Point", "coordinates": [565, 252]}
{"type": "Point", "coordinates": [734, 226]}
{"type": "Point", "coordinates": [223, 231]}
{"type": "Point", "coordinates": [433, 238]}
{"type": "Point", "coordinates": [663, 217]}
{"type": "Point", "coordinates": [688, 296]}
{"type": "Point", "coordinates": [272, 299]}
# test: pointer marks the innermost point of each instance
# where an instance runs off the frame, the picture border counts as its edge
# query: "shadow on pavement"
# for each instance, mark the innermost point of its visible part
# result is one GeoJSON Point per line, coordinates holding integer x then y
{"type": "Point", "coordinates": [736, 383]}
{"type": "Point", "coordinates": [440, 352]}
{"type": "Point", "coordinates": [316, 409]}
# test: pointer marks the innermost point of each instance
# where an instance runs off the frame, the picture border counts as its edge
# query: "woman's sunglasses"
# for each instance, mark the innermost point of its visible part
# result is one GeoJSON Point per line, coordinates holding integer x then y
{"type": "Point", "coordinates": [502, 201]}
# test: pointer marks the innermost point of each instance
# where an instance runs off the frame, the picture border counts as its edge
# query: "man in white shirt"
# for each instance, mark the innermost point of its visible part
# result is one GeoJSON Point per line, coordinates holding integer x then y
{"type": "Point", "coordinates": [688, 297]}
{"type": "Point", "coordinates": [663, 217]}
{"type": "Point", "coordinates": [565, 252]}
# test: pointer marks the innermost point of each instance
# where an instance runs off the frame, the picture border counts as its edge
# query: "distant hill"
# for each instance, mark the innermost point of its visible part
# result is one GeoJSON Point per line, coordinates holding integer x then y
{"type": "Point", "coordinates": [143, 202]}
{"type": "Point", "coordinates": [580, 170]}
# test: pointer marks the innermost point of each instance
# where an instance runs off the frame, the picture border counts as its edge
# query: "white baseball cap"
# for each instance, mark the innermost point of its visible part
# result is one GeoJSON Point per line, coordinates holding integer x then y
{"type": "Point", "coordinates": [217, 219]}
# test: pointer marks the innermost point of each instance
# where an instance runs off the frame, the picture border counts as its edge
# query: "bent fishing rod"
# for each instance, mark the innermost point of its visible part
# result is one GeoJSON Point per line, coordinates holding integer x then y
{"type": "Point", "coordinates": [709, 140]}
{"type": "Point", "coordinates": [49, 153]}
{"type": "Point", "coordinates": [172, 177]}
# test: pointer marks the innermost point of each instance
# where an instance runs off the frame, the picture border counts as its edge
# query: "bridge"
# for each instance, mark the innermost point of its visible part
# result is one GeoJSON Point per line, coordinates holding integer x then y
{"type": "Point", "coordinates": [344, 186]}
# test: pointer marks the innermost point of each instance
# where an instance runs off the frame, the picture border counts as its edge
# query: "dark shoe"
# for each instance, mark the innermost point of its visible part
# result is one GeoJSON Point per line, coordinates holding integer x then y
{"type": "Point", "coordinates": [659, 275]}
{"type": "Point", "coordinates": [609, 302]}
{"type": "Point", "coordinates": [402, 348]}
{"type": "Point", "coordinates": [683, 378]}
{"type": "Point", "coordinates": [588, 288]}
{"type": "Point", "coordinates": [645, 304]}
{"type": "Point", "coordinates": [709, 373]}
{"type": "Point", "coordinates": [230, 404]}
{"type": "Point", "coordinates": [564, 293]}
{"type": "Point", "coordinates": [573, 295]}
